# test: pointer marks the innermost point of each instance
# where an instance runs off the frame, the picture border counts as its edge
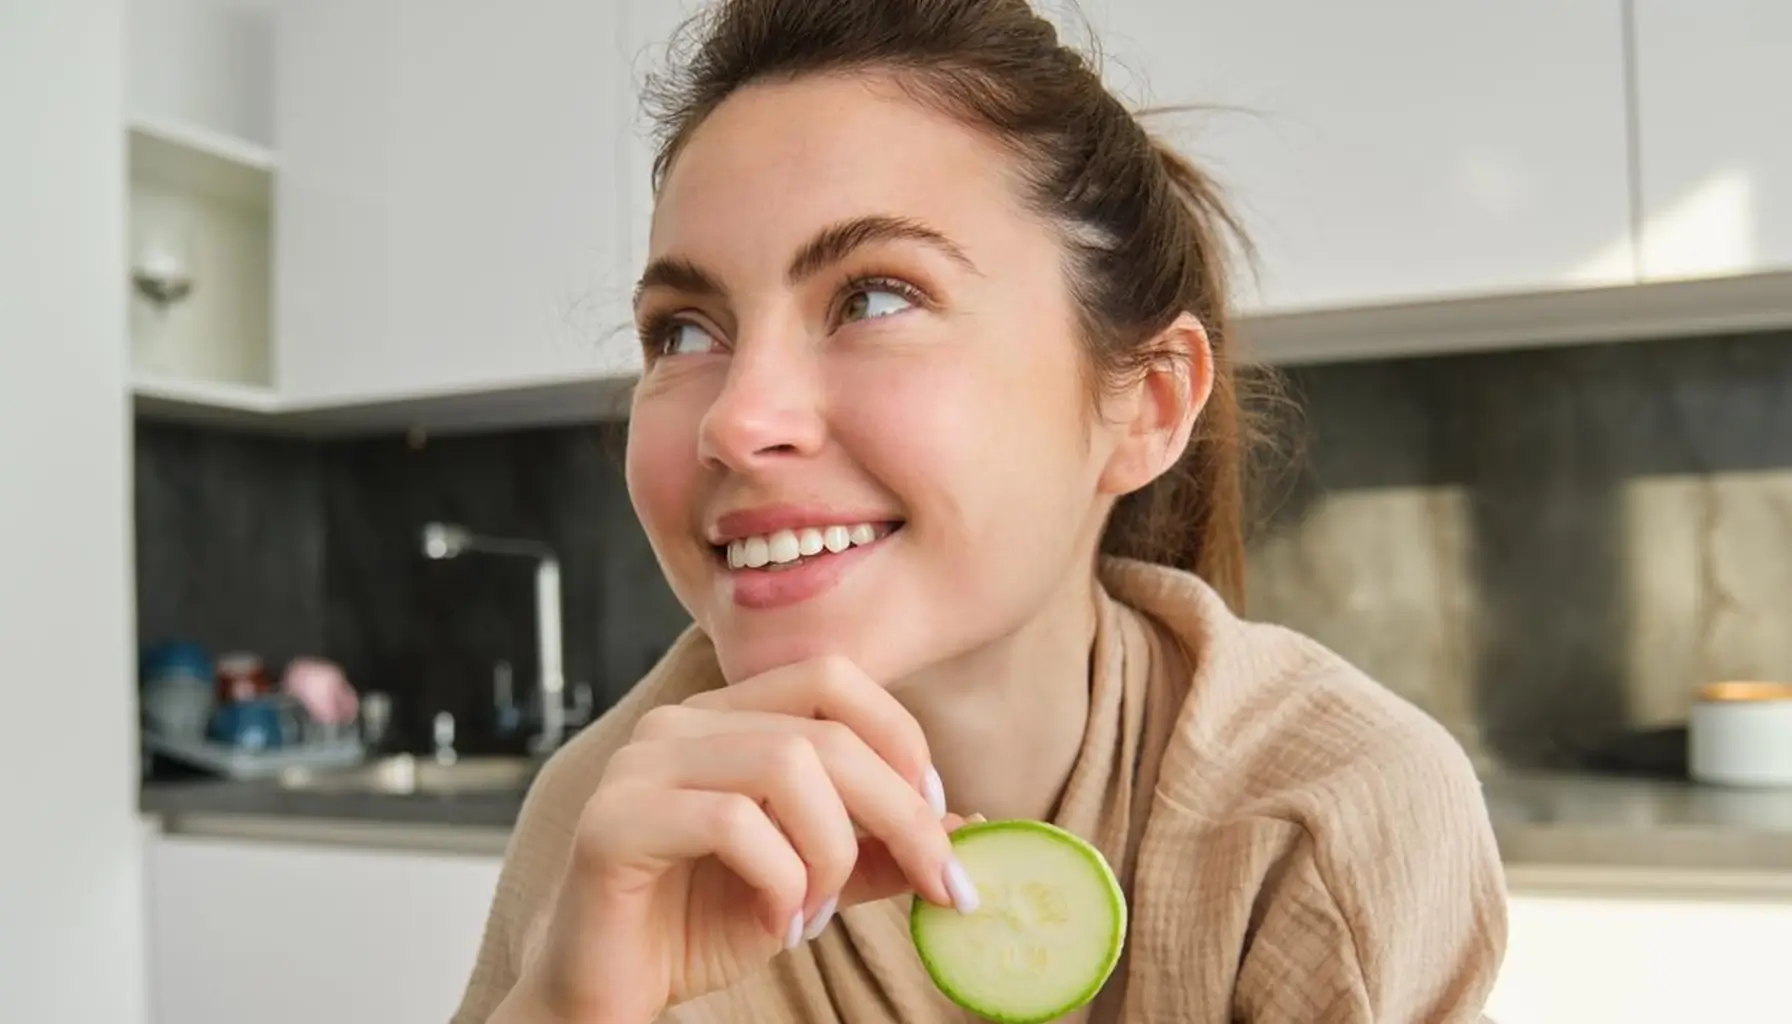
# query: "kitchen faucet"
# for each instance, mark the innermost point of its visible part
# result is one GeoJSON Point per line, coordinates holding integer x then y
{"type": "Point", "coordinates": [442, 541]}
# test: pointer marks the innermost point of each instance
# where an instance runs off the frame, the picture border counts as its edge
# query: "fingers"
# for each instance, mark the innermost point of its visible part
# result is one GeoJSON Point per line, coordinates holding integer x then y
{"type": "Point", "coordinates": [835, 689]}
{"type": "Point", "coordinates": [877, 875]}
{"type": "Point", "coordinates": [689, 824]}
{"type": "Point", "coordinates": [780, 769]}
{"type": "Point", "coordinates": [818, 779]}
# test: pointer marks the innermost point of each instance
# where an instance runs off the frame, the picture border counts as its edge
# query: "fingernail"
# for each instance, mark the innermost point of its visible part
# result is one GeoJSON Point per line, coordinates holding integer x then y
{"type": "Point", "coordinates": [958, 884]}
{"type": "Point", "coordinates": [975, 819]}
{"type": "Point", "coordinates": [819, 922]}
{"type": "Point", "coordinates": [934, 790]}
{"type": "Point", "coordinates": [793, 934]}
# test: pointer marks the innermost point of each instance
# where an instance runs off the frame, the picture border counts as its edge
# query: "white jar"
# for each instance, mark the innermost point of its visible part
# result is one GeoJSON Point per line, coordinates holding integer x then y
{"type": "Point", "coordinates": [1740, 734]}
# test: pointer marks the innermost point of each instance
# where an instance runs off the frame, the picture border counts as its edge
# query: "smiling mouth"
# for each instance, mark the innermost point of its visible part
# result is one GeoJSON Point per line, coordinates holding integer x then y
{"type": "Point", "coordinates": [789, 549]}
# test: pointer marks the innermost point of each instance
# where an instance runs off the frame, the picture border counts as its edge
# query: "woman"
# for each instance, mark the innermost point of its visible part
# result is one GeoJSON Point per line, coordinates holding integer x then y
{"type": "Point", "coordinates": [938, 442]}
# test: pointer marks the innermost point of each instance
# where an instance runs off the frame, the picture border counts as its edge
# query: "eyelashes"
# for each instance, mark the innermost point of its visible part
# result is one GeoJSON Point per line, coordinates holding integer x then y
{"type": "Point", "coordinates": [661, 331]}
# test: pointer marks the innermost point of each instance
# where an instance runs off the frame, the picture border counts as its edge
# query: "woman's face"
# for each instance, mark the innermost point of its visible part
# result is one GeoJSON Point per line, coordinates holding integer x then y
{"type": "Point", "coordinates": [864, 428]}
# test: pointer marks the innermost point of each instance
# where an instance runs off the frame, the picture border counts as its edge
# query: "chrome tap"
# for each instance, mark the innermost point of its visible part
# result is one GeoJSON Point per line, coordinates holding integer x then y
{"type": "Point", "coordinates": [447, 540]}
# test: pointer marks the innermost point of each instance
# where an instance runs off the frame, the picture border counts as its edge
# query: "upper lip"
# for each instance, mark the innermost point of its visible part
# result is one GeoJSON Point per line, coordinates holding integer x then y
{"type": "Point", "coordinates": [766, 519]}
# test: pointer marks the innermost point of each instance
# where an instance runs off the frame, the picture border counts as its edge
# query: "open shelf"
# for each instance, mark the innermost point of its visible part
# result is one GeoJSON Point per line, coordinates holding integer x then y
{"type": "Point", "coordinates": [220, 395]}
{"type": "Point", "coordinates": [201, 204]}
{"type": "Point", "coordinates": [210, 403]}
{"type": "Point", "coordinates": [202, 162]}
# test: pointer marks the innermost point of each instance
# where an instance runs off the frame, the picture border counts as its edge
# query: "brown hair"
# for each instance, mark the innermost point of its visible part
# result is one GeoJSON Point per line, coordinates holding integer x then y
{"type": "Point", "coordinates": [1143, 227]}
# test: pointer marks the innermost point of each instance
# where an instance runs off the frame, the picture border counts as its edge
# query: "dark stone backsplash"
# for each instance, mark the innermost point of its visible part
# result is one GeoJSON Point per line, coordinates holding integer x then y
{"type": "Point", "coordinates": [289, 547]}
{"type": "Point", "coordinates": [230, 541]}
{"type": "Point", "coordinates": [1535, 546]}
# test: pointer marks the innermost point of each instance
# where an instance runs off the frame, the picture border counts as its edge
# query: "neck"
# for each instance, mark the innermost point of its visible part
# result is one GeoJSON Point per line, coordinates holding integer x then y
{"type": "Point", "coordinates": [1005, 722]}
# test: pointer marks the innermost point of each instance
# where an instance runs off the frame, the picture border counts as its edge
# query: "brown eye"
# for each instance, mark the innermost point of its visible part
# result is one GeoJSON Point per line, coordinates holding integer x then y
{"type": "Point", "coordinates": [869, 303]}
{"type": "Point", "coordinates": [670, 337]}
{"type": "Point", "coordinates": [688, 339]}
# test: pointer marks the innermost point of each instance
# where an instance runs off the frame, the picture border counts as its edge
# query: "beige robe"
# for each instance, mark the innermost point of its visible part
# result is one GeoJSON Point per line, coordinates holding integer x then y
{"type": "Point", "coordinates": [1297, 843]}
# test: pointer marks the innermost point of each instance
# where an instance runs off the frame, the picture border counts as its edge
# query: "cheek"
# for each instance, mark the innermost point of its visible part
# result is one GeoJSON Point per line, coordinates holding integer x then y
{"type": "Point", "coordinates": [973, 440]}
{"type": "Point", "coordinates": [661, 468]}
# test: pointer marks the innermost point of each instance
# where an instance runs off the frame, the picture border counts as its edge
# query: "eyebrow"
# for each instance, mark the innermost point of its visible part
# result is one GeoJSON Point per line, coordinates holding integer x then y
{"type": "Point", "coordinates": [829, 246]}
{"type": "Point", "coordinates": [834, 243]}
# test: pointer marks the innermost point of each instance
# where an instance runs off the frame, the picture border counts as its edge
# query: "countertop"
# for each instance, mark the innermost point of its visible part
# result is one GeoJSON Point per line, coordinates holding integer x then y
{"type": "Point", "coordinates": [1554, 830]}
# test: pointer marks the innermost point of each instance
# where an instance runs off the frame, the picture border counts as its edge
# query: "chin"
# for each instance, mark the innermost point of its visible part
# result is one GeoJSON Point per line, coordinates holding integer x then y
{"type": "Point", "coordinates": [748, 648]}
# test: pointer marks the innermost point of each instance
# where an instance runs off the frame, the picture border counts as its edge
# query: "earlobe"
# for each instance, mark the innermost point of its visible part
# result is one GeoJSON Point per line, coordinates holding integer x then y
{"type": "Point", "coordinates": [1158, 415]}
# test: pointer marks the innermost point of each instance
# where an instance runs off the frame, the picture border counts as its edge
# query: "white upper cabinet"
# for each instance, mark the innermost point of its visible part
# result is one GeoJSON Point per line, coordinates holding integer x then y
{"type": "Point", "coordinates": [647, 36]}
{"type": "Point", "coordinates": [449, 198]}
{"type": "Point", "coordinates": [202, 65]}
{"type": "Point", "coordinates": [1399, 150]}
{"type": "Point", "coordinates": [1714, 99]}
{"type": "Point", "coordinates": [462, 198]}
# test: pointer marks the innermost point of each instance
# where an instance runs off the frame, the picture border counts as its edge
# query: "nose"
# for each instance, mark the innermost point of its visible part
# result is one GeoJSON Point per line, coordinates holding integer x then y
{"type": "Point", "coordinates": [769, 409]}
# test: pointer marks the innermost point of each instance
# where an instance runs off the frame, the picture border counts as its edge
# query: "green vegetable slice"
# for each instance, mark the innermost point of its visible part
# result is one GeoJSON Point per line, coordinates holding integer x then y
{"type": "Point", "coordinates": [1044, 938]}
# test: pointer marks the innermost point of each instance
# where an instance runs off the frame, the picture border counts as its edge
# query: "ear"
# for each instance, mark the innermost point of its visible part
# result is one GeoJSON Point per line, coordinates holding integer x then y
{"type": "Point", "coordinates": [1155, 416]}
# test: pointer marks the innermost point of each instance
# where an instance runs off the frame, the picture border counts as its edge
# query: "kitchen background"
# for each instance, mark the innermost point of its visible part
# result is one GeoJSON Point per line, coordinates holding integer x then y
{"type": "Point", "coordinates": [1538, 547]}
{"type": "Point", "coordinates": [285, 280]}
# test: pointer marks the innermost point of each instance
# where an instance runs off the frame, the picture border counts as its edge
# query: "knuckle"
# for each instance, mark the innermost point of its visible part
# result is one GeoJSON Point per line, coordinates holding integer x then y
{"type": "Point", "coordinates": [837, 675]}
{"type": "Point", "coordinates": [596, 829]}
{"type": "Point", "coordinates": [658, 721]}
{"type": "Point", "coordinates": [731, 816]}
{"type": "Point", "coordinates": [921, 823]}
{"type": "Point", "coordinates": [833, 865]}
{"type": "Point", "coordinates": [791, 759]}
{"type": "Point", "coordinates": [833, 740]}
{"type": "Point", "coordinates": [631, 762]}
{"type": "Point", "coordinates": [708, 699]}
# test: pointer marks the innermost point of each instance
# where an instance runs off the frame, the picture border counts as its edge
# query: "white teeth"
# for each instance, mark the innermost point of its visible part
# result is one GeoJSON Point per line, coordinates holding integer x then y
{"type": "Point", "coordinates": [787, 546]}
{"type": "Point", "coordinates": [755, 552]}
{"type": "Point", "coordinates": [783, 547]}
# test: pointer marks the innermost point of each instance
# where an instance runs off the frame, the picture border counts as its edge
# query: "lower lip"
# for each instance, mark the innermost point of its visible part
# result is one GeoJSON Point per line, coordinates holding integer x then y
{"type": "Point", "coordinates": [761, 589]}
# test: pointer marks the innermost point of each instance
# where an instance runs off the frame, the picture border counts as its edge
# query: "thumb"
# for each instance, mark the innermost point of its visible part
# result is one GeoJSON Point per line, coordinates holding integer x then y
{"type": "Point", "coordinates": [878, 876]}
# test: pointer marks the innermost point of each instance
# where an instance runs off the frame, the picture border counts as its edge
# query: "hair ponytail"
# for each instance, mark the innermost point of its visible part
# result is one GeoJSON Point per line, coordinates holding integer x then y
{"type": "Point", "coordinates": [1193, 516]}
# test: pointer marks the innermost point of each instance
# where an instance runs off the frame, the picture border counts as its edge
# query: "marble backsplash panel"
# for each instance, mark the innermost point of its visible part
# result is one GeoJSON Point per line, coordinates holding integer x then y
{"type": "Point", "coordinates": [1536, 547]}
{"type": "Point", "coordinates": [1539, 547]}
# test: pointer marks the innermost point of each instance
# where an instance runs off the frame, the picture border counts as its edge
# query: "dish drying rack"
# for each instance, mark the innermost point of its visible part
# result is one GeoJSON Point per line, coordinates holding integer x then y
{"type": "Point", "coordinates": [240, 764]}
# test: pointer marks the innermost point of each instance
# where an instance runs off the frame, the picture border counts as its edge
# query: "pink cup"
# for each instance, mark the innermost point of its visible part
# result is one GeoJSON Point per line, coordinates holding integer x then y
{"type": "Point", "coordinates": [322, 690]}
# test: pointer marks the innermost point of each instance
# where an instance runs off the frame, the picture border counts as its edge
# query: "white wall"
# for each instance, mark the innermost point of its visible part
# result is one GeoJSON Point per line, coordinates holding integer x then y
{"type": "Point", "coordinates": [71, 890]}
{"type": "Point", "coordinates": [203, 63]}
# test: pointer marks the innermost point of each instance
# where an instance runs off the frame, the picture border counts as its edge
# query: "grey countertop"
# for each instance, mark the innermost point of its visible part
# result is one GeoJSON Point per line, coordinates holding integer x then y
{"type": "Point", "coordinates": [1551, 827]}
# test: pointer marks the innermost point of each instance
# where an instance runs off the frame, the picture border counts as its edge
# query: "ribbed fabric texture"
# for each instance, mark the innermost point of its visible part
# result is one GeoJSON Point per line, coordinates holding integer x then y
{"type": "Point", "coordinates": [1298, 844]}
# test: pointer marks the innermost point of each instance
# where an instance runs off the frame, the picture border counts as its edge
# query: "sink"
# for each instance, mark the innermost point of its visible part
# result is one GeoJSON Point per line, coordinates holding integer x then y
{"type": "Point", "coordinates": [410, 775]}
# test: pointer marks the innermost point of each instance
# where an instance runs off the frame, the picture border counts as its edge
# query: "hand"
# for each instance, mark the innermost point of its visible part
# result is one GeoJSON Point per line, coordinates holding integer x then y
{"type": "Point", "coordinates": [733, 826]}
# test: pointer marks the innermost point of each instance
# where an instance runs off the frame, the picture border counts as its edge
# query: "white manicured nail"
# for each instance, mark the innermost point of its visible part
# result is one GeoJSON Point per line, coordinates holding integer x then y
{"type": "Point", "coordinates": [934, 791]}
{"type": "Point", "coordinates": [819, 922]}
{"type": "Point", "coordinates": [794, 933]}
{"type": "Point", "coordinates": [958, 883]}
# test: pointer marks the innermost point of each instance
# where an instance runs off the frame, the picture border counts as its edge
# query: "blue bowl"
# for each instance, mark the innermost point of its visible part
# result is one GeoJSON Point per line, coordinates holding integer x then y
{"type": "Point", "coordinates": [174, 658]}
{"type": "Point", "coordinates": [263, 723]}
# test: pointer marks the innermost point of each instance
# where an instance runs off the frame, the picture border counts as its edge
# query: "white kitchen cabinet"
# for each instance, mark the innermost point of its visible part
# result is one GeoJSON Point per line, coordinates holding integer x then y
{"type": "Point", "coordinates": [282, 934]}
{"type": "Point", "coordinates": [1714, 94]}
{"type": "Point", "coordinates": [202, 63]}
{"type": "Point", "coordinates": [449, 200]}
{"type": "Point", "coordinates": [1396, 151]}
{"type": "Point", "coordinates": [1574, 959]}
{"type": "Point", "coordinates": [198, 126]}
{"type": "Point", "coordinates": [648, 31]}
